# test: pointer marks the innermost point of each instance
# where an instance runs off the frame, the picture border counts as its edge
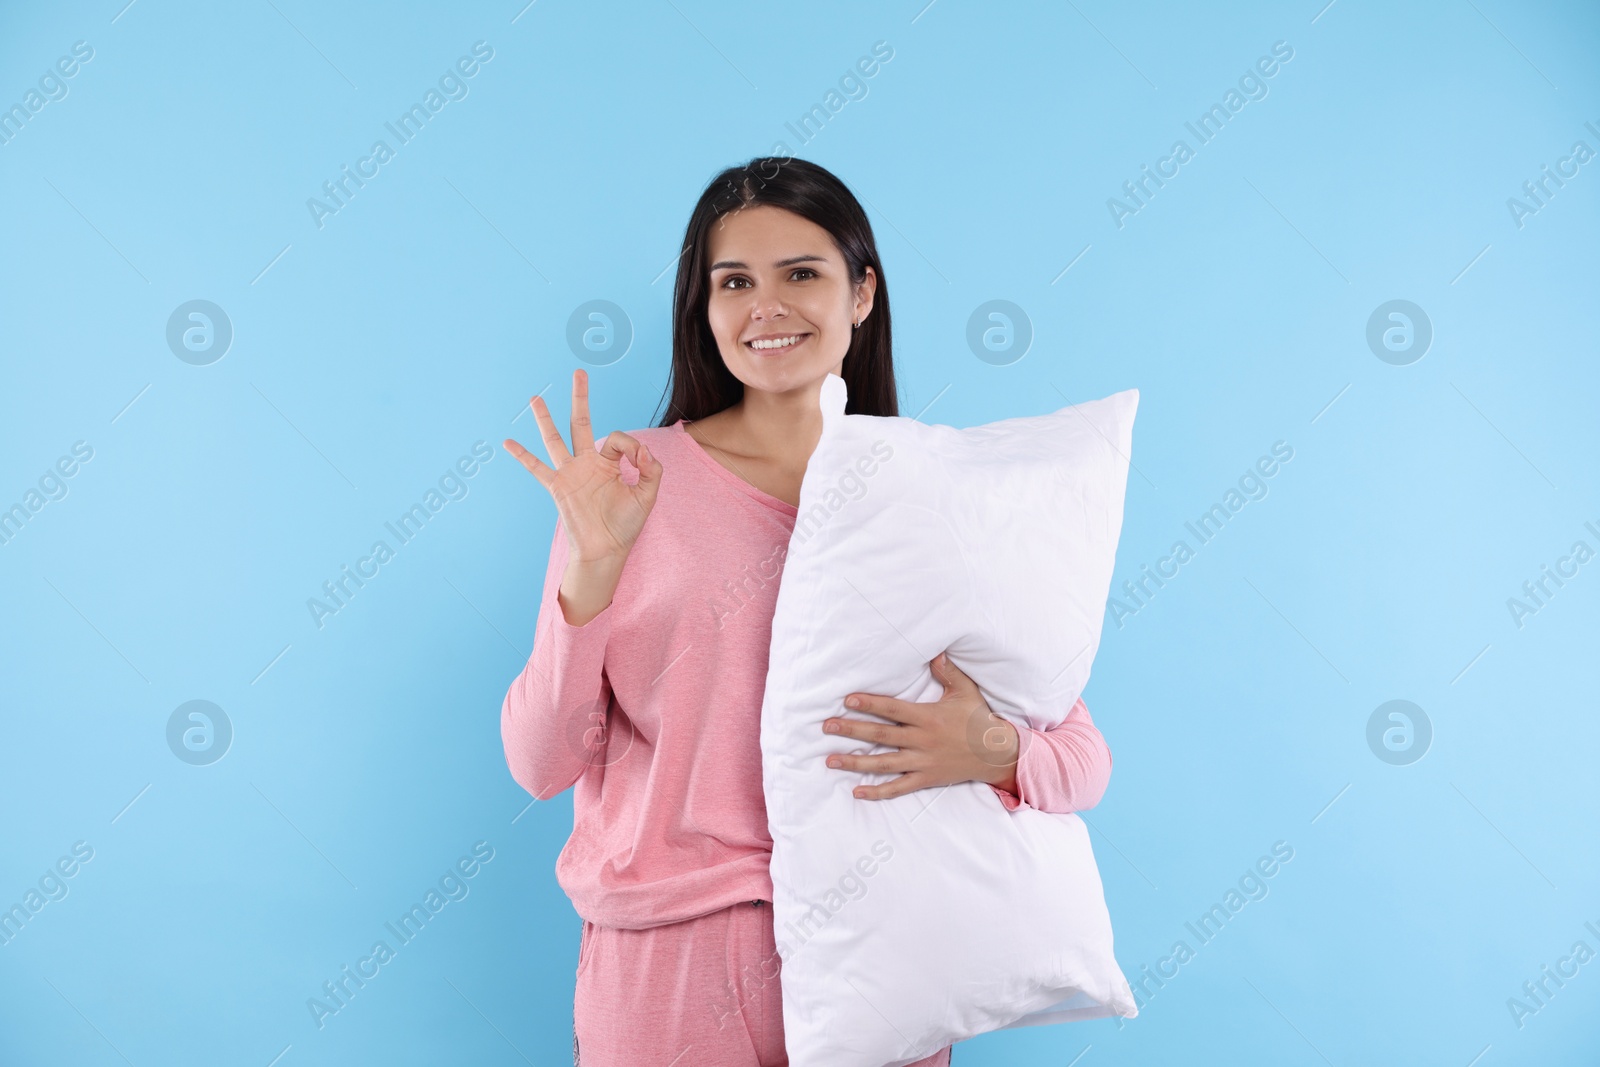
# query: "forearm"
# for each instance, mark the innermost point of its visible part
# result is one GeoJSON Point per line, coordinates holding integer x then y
{"type": "Point", "coordinates": [587, 588]}
{"type": "Point", "coordinates": [1006, 779]}
{"type": "Point", "coordinates": [553, 712]}
{"type": "Point", "coordinates": [551, 717]}
{"type": "Point", "coordinates": [1063, 769]}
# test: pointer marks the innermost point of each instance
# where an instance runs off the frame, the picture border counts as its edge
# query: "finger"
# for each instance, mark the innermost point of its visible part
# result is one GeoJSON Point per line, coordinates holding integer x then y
{"type": "Point", "coordinates": [882, 763]}
{"type": "Point", "coordinates": [876, 732]}
{"type": "Point", "coordinates": [582, 429]}
{"type": "Point", "coordinates": [616, 443]}
{"type": "Point", "coordinates": [553, 444]}
{"type": "Point", "coordinates": [903, 711]}
{"type": "Point", "coordinates": [535, 465]}
{"type": "Point", "coordinates": [906, 783]}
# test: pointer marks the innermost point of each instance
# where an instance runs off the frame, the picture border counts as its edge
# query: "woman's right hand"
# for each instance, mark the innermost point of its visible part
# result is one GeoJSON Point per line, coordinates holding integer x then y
{"type": "Point", "coordinates": [602, 516]}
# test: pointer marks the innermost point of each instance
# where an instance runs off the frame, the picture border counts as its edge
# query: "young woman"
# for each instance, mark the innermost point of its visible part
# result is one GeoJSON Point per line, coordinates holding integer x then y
{"type": "Point", "coordinates": [645, 684]}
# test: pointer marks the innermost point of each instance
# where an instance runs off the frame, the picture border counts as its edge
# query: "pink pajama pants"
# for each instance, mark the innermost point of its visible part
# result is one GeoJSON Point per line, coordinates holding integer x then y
{"type": "Point", "coordinates": [698, 993]}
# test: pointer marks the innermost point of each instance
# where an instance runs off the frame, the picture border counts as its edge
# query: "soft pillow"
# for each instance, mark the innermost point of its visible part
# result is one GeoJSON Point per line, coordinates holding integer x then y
{"type": "Point", "coordinates": [905, 925]}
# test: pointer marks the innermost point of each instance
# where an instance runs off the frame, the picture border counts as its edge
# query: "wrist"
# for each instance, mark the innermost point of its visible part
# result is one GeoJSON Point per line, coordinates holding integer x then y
{"type": "Point", "coordinates": [587, 588]}
{"type": "Point", "coordinates": [610, 561]}
{"type": "Point", "coordinates": [1002, 746]}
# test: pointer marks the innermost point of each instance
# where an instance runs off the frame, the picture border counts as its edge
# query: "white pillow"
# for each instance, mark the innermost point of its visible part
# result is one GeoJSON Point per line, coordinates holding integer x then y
{"type": "Point", "coordinates": [905, 925]}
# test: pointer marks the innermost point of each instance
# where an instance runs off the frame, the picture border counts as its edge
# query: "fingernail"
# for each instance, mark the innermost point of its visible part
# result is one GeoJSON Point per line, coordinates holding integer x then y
{"type": "Point", "coordinates": [852, 702]}
{"type": "Point", "coordinates": [833, 761]}
{"type": "Point", "coordinates": [830, 727]}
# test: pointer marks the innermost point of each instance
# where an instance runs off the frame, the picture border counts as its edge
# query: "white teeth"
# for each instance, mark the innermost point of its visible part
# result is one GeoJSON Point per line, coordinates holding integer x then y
{"type": "Point", "coordinates": [780, 342]}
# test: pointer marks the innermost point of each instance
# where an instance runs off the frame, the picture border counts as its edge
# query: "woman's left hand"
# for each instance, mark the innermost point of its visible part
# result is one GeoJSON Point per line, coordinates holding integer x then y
{"type": "Point", "coordinates": [956, 738]}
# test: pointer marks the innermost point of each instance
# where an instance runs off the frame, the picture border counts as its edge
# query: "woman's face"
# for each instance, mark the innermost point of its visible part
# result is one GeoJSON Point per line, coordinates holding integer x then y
{"type": "Point", "coordinates": [775, 277]}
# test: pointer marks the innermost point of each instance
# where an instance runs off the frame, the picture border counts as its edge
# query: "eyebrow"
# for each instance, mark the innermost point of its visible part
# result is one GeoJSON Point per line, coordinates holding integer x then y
{"type": "Point", "coordinates": [791, 261]}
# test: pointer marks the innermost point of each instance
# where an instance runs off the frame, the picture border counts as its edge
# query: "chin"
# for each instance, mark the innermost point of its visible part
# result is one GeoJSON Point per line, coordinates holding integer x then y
{"type": "Point", "coordinates": [776, 374]}
{"type": "Point", "coordinates": [786, 379]}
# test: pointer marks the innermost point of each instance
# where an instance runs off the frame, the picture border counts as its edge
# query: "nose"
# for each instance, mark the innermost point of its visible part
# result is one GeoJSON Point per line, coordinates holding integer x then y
{"type": "Point", "coordinates": [768, 308]}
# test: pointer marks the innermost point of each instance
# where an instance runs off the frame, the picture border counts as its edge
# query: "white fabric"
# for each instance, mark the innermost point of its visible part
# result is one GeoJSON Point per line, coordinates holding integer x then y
{"type": "Point", "coordinates": [905, 925]}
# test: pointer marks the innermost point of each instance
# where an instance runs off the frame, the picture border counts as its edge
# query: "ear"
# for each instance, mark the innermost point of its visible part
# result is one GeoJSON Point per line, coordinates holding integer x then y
{"type": "Point", "coordinates": [864, 295]}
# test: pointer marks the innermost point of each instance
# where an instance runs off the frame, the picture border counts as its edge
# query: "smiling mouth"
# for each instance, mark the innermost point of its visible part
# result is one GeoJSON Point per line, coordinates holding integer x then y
{"type": "Point", "coordinates": [776, 344]}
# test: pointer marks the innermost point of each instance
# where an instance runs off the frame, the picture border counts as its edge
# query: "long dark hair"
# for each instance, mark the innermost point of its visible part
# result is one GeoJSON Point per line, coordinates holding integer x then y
{"type": "Point", "coordinates": [699, 383]}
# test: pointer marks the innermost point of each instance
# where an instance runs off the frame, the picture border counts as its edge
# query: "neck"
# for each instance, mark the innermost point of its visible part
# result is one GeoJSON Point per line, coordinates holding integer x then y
{"type": "Point", "coordinates": [783, 427]}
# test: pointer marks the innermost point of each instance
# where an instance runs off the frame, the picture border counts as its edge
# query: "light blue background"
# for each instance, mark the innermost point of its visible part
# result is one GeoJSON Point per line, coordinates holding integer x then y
{"type": "Point", "coordinates": [377, 349]}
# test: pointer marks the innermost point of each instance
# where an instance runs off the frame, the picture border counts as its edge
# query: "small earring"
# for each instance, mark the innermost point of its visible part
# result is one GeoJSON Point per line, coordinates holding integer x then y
{"type": "Point", "coordinates": [857, 326]}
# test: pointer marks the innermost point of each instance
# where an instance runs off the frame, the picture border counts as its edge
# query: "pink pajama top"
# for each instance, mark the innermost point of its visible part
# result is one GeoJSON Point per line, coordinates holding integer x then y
{"type": "Point", "coordinates": [653, 707]}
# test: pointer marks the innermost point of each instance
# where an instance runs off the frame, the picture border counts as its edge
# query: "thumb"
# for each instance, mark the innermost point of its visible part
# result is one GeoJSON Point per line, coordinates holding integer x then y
{"type": "Point", "coordinates": [951, 676]}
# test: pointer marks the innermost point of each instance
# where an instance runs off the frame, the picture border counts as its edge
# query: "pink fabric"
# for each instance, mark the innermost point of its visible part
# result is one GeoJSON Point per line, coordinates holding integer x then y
{"type": "Point", "coordinates": [1062, 769]}
{"type": "Point", "coordinates": [652, 709]}
{"type": "Point", "coordinates": [723, 1005]}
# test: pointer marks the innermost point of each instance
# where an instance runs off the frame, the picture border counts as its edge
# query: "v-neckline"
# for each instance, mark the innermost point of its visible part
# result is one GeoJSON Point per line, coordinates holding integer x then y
{"type": "Point", "coordinates": [759, 495]}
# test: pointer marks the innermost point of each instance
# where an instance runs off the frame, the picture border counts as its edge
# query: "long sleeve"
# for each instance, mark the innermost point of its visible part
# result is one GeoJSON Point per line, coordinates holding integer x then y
{"type": "Point", "coordinates": [1065, 768]}
{"type": "Point", "coordinates": [650, 712]}
{"type": "Point", "coordinates": [552, 718]}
